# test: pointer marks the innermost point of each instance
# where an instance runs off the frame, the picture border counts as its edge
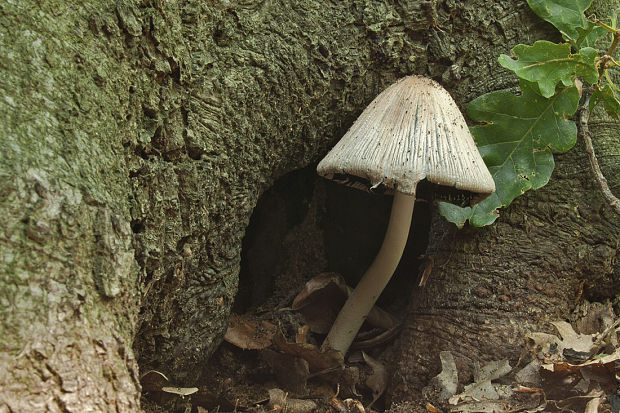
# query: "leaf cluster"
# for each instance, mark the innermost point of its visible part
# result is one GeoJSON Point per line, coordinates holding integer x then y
{"type": "Point", "coordinates": [517, 134]}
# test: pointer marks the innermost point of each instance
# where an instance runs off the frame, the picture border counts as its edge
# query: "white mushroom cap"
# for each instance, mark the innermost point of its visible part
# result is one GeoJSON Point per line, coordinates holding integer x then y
{"type": "Point", "coordinates": [412, 131]}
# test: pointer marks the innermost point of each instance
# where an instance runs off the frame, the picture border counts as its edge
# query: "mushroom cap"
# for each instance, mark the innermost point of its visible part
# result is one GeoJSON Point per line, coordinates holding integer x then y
{"type": "Point", "coordinates": [412, 131]}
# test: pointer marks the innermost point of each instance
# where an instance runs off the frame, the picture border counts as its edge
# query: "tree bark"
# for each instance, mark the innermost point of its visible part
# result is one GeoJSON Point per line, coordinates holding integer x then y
{"type": "Point", "coordinates": [489, 287]}
{"type": "Point", "coordinates": [263, 89]}
{"type": "Point", "coordinates": [549, 251]}
{"type": "Point", "coordinates": [69, 284]}
{"type": "Point", "coordinates": [136, 137]}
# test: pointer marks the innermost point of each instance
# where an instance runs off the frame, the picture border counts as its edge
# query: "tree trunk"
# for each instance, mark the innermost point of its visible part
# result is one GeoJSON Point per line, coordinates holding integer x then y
{"type": "Point", "coordinates": [136, 137]}
{"type": "Point", "coordinates": [549, 251]}
{"type": "Point", "coordinates": [490, 287]}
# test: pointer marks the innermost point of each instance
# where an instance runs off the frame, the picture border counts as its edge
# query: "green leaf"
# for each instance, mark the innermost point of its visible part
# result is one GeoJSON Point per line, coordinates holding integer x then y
{"type": "Point", "coordinates": [455, 214]}
{"type": "Point", "coordinates": [567, 16]}
{"type": "Point", "coordinates": [591, 33]}
{"type": "Point", "coordinates": [515, 140]}
{"type": "Point", "coordinates": [547, 63]}
{"type": "Point", "coordinates": [609, 99]}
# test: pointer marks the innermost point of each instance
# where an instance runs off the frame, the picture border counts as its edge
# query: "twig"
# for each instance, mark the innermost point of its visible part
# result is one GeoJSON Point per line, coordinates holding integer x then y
{"type": "Point", "coordinates": [325, 371]}
{"type": "Point", "coordinates": [598, 343]}
{"type": "Point", "coordinates": [382, 338]}
{"type": "Point", "coordinates": [616, 34]}
{"type": "Point", "coordinates": [584, 133]}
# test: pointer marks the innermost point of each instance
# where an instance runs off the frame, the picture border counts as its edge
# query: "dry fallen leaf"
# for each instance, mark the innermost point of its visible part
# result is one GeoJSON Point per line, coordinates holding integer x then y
{"type": "Point", "coordinates": [347, 379]}
{"type": "Point", "coordinates": [302, 334]}
{"type": "Point", "coordinates": [492, 370]}
{"type": "Point", "coordinates": [354, 406]}
{"type": "Point", "coordinates": [181, 391]}
{"type": "Point", "coordinates": [574, 403]}
{"type": "Point", "coordinates": [378, 380]}
{"type": "Point", "coordinates": [370, 339]}
{"type": "Point", "coordinates": [320, 301]}
{"type": "Point", "coordinates": [317, 360]}
{"type": "Point", "coordinates": [280, 402]}
{"type": "Point", "coordinates": [249, 334]}
{"type": "Point", "coordinates": [551, 348]}
{"type": "Point", "coordinates": [484, 406]}
{"type": "Point", "coordinates": [564, 379]}
{"type": "Point", "coordinates": [329, 364]}
{"type": "Point", "coordinates": [607, 360]}
{"type": "Point", "coordinates": [448, 379]}
{"type": "Point", "coordinates": [291, 371]}
{"type": "Point", "coordinates": [570, 340]}
{"type": "Point", "coordinates": [214, 400]}
{"type": "Point", "coordinates": [157, 383]}
{"type": "Point", "coordinates": [558, 385]}
{"type": "Point", "coordinates": [153, 380]}
{"type": "Point", "coordinates": [482, 388]}
{"type": "Point", "coordinates": [575, 386]}
{"type": "Point", "coordinates": [592, 405]}
{"type": "Point", "coordinates": [428, 268]}
{"type": "Point", "coordinates": [529, 374]}
{"type": "Point", "coordinates": [322, 298]}
{"type": "Point", "coordinates": [338, 406]}
{"type": "Point", "coordinates": [432, 409]}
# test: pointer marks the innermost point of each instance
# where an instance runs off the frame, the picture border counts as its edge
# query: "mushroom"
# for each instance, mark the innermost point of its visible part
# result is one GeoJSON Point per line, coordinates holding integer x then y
{"type": "Point", "coordinates": [412, 131]}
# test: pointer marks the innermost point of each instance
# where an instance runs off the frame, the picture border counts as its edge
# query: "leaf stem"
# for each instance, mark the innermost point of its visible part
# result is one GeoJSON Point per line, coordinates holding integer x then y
{"type": "Point", "coordinates": [604, 26]}
{"type": "Point", "coordinates": [614, 31]}
{"type": "Point", "coordinates": [614, 43]}
{"type": "Point", "coordinates": [584, 133]}
{"type": "Point", "coordinates": [613, 86]}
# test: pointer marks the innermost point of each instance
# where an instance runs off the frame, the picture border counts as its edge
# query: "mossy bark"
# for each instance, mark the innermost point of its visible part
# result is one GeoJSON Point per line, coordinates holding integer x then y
{"type": "Point", "coordinates": [136, 137]}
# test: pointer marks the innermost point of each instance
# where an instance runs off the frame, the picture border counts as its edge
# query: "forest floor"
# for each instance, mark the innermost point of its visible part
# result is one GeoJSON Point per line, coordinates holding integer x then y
{"type": "Point", "coordinates": [271, 361]}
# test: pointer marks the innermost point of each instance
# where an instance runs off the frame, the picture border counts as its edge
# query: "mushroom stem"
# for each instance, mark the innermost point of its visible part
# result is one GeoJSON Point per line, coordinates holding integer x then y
{"type": "Point", "coordinates": [376, 277]}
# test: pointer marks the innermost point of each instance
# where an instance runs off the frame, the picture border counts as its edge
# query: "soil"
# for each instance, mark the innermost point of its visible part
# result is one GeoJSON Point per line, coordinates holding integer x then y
{"type": "Point", "coordinates": [237, 379]}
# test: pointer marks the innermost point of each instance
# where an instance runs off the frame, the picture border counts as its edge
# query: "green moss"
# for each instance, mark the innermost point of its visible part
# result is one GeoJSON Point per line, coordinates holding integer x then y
{"type": "Point", "coordinates": [64, 110]}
